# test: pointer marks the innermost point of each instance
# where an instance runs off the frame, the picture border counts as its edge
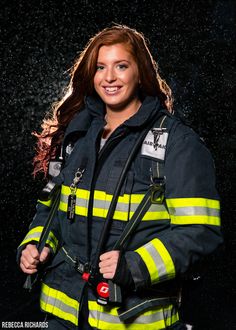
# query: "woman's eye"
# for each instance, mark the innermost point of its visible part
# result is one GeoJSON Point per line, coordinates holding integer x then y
{"type": "Point", "coordinates": [100, 67]}
{"type": "Point", "coordinates": [122, 66]}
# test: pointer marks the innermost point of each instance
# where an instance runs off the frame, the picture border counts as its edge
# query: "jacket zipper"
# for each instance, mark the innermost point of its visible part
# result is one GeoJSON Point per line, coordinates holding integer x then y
{"type": "Point", "coordinates": [98, 166]}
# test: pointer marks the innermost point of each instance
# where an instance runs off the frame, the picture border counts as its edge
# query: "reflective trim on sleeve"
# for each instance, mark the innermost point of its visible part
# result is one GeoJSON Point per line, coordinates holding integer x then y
{"type": "Point", "coordinates": [156, 318]}
{"type": "Point", "coordinates": [157, 260]}
{"type": "Point", "coordinates": [34, 235]}
{"type": "Point", "coordinates": [46, 203]}
{"type": "Point", "coordinates": [185, 211]}
{"type": "Point", "coordinates": [52, 241]}
{"type": "Point", "coordinates": [59, 304]}
{"type": "Point", "coordinates": [125, 207]}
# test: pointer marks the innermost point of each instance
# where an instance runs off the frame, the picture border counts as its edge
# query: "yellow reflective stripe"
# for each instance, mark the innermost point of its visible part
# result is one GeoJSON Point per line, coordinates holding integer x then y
{"type": "Point", "coordinates": [180, 202]}
{"type": "Point", "coordinates": [59, 304]}
{"type": "Point", "coordinates": [81, 193]}
{"type": "Point", "coordinates": [105, 318]}
{"type": "Point", "coordinates": [118, 215]}
{"type": "Point", "coordinates": [185, 211]}
{"type": "Point", "coordinates": [157, 215]}
{"type": "Point", "coordinates": [125, 208]}
{"type": "Point", "coordinates": [52, 241]}
{"type": "Point", "coordinates": [46, 203]}
{"type": "Point", "coordinates": [149, 262]}
{"type": "Point", "coordinates": [157, 260]}
{"type": "Point", "coordinates": [196, 220]}
{"type": "Point", "coordinates": [79, 210]}
{"type": "Point", "coordinates": [63, 206]}
{"type": "Point", "coordinates": [102, 195]}
{"type": "Point", "coordinates": [102, 213]}
{"type": "Point", "coordinates": [34, 235]}
{"type": "Point", "coordinates": [161, 249]}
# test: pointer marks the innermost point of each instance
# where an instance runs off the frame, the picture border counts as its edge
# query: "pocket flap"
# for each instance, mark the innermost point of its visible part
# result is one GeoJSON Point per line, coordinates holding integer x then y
{"type": "Point", "coordinates": [134, 305]}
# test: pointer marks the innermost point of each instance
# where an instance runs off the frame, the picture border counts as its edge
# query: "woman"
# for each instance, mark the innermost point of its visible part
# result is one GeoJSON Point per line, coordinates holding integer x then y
{"type": "Point", "coordinates": [115, 93]}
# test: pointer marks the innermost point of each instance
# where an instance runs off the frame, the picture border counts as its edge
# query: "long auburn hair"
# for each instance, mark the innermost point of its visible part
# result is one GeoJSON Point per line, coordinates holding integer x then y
{"type": "Point", "coordinates": [81, 85]}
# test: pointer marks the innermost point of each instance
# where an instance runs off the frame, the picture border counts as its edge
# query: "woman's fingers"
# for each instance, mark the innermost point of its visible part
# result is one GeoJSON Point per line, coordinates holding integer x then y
{"type": "Point", "coordinates": [108, 263]}
{"type": "Point", "coordinates": [29, 259]}
{"type": "Point", "coordinates": [44, 255]}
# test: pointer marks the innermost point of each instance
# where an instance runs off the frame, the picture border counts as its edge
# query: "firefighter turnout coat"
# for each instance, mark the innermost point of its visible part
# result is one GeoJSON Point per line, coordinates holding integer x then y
{"type": "Point", "coordinates": [170, 238]}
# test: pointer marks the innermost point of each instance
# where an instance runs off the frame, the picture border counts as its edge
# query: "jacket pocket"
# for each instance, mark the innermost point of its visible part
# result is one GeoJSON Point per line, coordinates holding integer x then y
{"type": "Point", "coordinates": [122, 210]}
{"type": "Point", "coordinates": [135, 305]}
{"type": "Point", "coordinates": [113, 179]}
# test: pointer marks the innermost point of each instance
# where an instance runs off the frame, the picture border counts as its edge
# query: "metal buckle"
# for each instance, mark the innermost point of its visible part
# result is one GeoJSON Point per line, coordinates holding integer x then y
{"type": "Point", "coordinates": [79, 266]}
{"type": "Point", "coordinates": [157, 194]}
{"type": "Point", "coordinates": [87, 267]}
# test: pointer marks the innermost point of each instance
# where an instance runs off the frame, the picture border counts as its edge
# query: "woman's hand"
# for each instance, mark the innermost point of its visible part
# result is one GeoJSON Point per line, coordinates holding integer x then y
{"type": "Point", "coordinates": [108, 264]}
{"type": "Point", "coordinates": [30, 258]}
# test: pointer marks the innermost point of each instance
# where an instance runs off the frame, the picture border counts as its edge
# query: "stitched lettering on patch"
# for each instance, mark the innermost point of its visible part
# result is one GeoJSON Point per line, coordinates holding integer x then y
{"type": "Point", "coordinates": [154, 144]}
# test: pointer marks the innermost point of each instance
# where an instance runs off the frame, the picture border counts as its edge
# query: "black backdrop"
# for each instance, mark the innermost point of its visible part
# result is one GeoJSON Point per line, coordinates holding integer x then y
{"type": "Point", "coordinates": [193, 42]}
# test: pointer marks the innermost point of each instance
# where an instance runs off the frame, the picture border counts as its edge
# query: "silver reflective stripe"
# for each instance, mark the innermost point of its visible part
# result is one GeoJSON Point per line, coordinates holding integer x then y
{"type": "Point", "coordinates": [59, 304]}
{"type": "Point", "coordinates": [157, 208]}
{"type": "Point", "coordinates": [160, 265]}
{"type": "Point", "coordinates": [104, 317]}
{"type": "Point", "coordinates": [122, 207]}
{"type": "Point", "coordinates": [194, 210]}
{"type": "Point", "coordinates": [163, 314]}
{"type": "Point", "coordinates": [160, 315]}
{"type": "Point", "coordinates": [33, 236]}
{"type": "Point", "coordinates": [99, 204]}
{"type": "Point", "coordinates": [79, 202]}
{"type": "Point", "coordinates": [64, 198]}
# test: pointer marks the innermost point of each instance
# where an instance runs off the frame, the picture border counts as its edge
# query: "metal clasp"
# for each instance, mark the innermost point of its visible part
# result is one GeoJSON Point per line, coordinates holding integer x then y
{"type": "Point", "coordinates": [157, 193]}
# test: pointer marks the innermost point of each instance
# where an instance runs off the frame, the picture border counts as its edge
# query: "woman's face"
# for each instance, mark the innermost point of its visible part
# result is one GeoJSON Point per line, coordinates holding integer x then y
{"type": "Point", "coordinates": [117, 78]}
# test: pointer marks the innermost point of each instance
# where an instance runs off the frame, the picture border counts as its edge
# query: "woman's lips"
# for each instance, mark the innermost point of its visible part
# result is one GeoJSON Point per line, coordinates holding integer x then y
{"type": "Point", "coordinates": [111, 90]}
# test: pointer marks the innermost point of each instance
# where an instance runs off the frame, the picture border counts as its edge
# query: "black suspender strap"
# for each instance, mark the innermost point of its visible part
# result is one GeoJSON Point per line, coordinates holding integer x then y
{"type": "Point", "coordinates": [32, 279]}
{"type": "Point", "coordinates": [51, 191]}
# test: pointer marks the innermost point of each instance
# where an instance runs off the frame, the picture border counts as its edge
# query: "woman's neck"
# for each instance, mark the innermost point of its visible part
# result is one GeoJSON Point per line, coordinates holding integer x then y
{"type": "Point", "coordinates": [115, 118]}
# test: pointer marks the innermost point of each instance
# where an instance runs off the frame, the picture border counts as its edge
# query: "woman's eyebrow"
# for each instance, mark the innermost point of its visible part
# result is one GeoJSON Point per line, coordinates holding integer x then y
{"type": "Point", "coordinates": [118, 61]}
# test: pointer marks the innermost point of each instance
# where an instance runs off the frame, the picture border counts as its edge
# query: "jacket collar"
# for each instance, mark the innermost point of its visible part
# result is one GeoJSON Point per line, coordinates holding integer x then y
{"type": "Point", "coordinates": [149, 107]}
{"type": "Point", "coordinates": [81, 121]}
{"type": "Point", "coordinates": [94, 107]}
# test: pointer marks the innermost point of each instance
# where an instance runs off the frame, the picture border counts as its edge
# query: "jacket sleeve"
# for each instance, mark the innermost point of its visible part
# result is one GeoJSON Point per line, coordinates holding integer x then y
{"type": "Point", "coordinates": [193, 206]}
{"type": "Point", "coordinates": [36, 228]}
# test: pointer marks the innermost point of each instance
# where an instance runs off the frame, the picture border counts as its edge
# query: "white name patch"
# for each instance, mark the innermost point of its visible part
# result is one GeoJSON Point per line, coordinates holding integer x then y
{"type": "Point", "coordinates": [154, 144]}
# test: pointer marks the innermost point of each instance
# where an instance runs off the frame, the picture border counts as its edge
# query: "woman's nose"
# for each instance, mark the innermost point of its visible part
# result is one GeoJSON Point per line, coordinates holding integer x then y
{"type": "Point", "coordinates": [110, 75]}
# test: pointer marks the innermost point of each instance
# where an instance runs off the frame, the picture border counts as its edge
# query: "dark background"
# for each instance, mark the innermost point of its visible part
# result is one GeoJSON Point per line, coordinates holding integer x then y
{"type": "Point", "coordinates": [193, 42]}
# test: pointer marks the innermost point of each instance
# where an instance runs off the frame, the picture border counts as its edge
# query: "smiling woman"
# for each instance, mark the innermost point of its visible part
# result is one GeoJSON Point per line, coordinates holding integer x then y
{"type": "Point", "coordinates": [117, 81]}
{"type": "Point", "coordinates": [134, 213]}
{"type": "Point", "coordinates": [117, 78]}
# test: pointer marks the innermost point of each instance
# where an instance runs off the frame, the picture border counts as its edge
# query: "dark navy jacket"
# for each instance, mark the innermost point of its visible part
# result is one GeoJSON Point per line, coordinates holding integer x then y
{"type": "Point", "coordinates": [170, 238]}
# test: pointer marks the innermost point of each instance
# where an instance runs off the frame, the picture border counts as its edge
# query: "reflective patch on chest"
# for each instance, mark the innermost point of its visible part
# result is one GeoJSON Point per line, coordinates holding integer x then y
{"type": "Point", "coordinates": [154, 144]}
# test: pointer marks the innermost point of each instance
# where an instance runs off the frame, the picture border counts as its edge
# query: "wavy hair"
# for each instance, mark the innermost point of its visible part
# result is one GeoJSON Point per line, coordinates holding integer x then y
{"type": "Point", "coordinates": [81, 85]}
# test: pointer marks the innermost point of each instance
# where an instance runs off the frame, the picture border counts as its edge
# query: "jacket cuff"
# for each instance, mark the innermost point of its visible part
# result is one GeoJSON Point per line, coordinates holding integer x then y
{"type": "Point", "coordinates": [138, 270]}
{"type": "Point", "coordinates": [34, 235]}
{"type": "Point", "coordinates": [123, 276]}
{"type": "Point", "coordinates": [157, 260]}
